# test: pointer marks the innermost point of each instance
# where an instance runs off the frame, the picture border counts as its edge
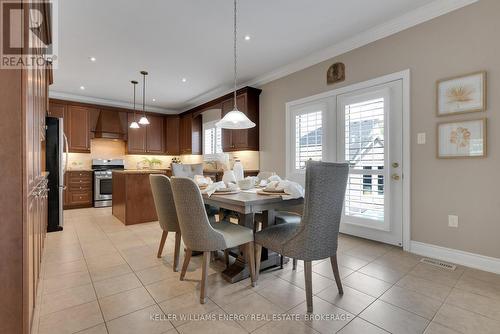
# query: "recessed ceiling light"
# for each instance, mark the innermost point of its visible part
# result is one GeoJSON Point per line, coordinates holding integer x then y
{"type": "Point", "coordinates": [184, 80]}
{"type": "Point", "coordinates": [93, 59]}
{"type": "Point", "coordinates": [154, 100]}
{"type": "Point", "coordinates": [247, 37]}
{"type": "Point", "coordinates": [82, 87]}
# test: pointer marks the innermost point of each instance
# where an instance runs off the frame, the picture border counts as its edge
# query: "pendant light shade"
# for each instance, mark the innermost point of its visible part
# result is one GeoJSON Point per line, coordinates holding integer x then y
{"type": "Point", "coordinates": [134, 124]}
{"type": "Point", "coordinates": [144, 120]}
{"type": "Point", "coordinates": [235, 119]}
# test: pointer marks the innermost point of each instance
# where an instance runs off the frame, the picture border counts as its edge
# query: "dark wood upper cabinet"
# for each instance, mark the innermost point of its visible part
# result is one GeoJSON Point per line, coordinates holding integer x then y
{"type": "Point", "coordinates": [136, 143]}
{"type": "Point", "coordinates": [77, 128]}
{"type": "Point", "coordinates": [190, 134]}
{"type": "Point", "coordinates": [172, 135]}
{"type": "Point", "coordinates": [155, 135]}
{"type": "Point", "coordinates": [248, 139]}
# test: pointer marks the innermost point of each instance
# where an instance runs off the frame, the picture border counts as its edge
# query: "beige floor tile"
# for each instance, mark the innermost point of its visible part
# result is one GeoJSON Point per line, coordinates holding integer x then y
{"type": "Point", "coordinates": [68, 255]}
{"type": "Point", "coordinates": [479, 287]}
{"type": "Point", "coordinates": [367, 284]}
{"type": "Point", "coordinates": [55, 283]}
{"type": "Point", "coordinates": [435, 328]}
{"type": "Point", "coordinates": [339, 317]}
{"type": "Point", "coordinates": [105, 273]}
{"type": "Point", "coordinates": [350, 262]}
{"type": "Point", "coordinates": [360, 326]}
{"type": "Point", "coordinates": [437, 275]}
{"type": "Point", "coordinates": [384, 273]}
{"type": "Point", "coordinates": [125, 302]}
{"type": "Point", "coordinates": [482, 276]}
{"type": "Point", "coordinates": [168, 289]}
{"type": "Point", "coordinates": [412, 301]}
{"type": "Point", "coordinates": [368, 252]}
{"type": "Point", "coordinates": [283, 294]}
{"type": "Point", "coordinates": [325, 269]}
{"type": "Point", "coordinates": [63, 299]}
{"type": "Point", "coordinates": [318, 282]}
{"type": "Point", "coordinates": [57, 269]}
{"type": "Point", "coordinates": [99, 329]}
{"type": "Point", "coordinates": [424, 287]}
{"type": "Point", "coordinates": [282, 327]}
{"type": "Point", "coordinates": [252, 304]}
{"type": "Point", "coordinates": [352, 300]}
{"type": "Point", "coordinates": [465, 321]}
{"type": "Point", "coordinates": [157, 273]}
{"type": "Point", "coordinates": [223, 293]}
{"type": "Point", "coordinates": [398, 260]}
{"type": "Point", "coordinates": [140, 322]}
{"type": "Point", "coordinates": [105, 261]}
{"type": "Point", "coordinates": [187, 305]}
{"type": "Point", "coordinates": [393, 319]}
{"type": "Point", "coordinates": [211, 327]}
{"type": "Point", "coordinates": [71, 320]}
{"type": "Point", "coordinates": [476, 303]}
{"type": "Point", "coordinates": [116, 284]}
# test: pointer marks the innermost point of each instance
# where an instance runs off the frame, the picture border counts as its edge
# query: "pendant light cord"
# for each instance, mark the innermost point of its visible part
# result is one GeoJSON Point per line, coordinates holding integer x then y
{"type": "Point", "coordinates": [144, 94]}
{"type": "Point", "coordinates": [235, 57]}
{"type": "Point", "coordinates": [135, 117]}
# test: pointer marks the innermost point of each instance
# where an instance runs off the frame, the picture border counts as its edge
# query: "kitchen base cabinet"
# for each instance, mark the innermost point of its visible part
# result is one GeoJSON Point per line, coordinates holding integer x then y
{"type": "Point", "coordinates": [78, 192]}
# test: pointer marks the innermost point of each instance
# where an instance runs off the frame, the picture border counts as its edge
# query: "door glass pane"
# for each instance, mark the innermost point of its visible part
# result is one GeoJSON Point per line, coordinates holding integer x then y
{"type": "Point", "coordinates": [309, 138]}
{"type": "Point", "coordinates": [365, 152]}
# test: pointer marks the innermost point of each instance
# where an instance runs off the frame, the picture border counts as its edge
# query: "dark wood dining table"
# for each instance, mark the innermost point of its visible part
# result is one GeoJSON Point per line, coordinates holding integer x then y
{"type": "Point", "coordinates": [246, 204]}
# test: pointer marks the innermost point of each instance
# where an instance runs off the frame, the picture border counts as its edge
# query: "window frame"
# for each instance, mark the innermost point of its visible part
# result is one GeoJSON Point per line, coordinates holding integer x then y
{"type": "Point", "coordinates": [208, 126]}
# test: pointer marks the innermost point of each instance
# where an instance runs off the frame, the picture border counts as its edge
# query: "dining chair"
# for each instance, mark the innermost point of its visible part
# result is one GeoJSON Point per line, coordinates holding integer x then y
{"type": "Point", "coordinates": [199, 235]}
{"type": "Point", "coordinates": [316, 236]}
{"type": "Point", "coordinates": [167, 215]}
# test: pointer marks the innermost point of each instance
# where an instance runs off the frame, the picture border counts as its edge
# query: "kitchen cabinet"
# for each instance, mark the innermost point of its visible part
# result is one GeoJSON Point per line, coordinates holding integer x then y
{"type": "Point", "coordinates": [190, 134]}
{"type": "Point", "coordinates": [77, 127]}
{"type": "Point", "coordinates": [247, 139]}
{"type": "Point", "coordinates": [149, 139]}
{"type": "Point", "coordinates": [172, 135]}
{"type": "Point", "coordinates": [78, 193]}
{"type": "Point", "coordinates": [56, 110]}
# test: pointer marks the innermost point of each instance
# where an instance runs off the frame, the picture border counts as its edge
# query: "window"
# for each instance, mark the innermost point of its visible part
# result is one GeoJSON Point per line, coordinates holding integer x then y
{"type": "Point", "coordinates": [212, 139]}
{"type": "Point", "coordinates": [308, 138]}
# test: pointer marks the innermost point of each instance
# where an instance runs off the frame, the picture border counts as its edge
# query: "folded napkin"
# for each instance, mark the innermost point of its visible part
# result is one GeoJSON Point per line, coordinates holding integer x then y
{"type": "Point", "coordinates": [292, 189]}
{"type": "Point", "coordinates": [202, 181]}
{"type": "Point", "coordinates": [212, 188]}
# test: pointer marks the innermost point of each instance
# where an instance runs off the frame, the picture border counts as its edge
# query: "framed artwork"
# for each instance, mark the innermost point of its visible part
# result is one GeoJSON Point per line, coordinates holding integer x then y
{"type": "Point", "coordinates": [461, 94]}
{"type": "Point", "coordinates": [462, 139]}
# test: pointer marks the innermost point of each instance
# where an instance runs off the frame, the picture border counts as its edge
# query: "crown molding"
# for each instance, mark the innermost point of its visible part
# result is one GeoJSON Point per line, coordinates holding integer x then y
{"type": "Point", "coordinates": [106, 102]}
{"type": "Point", "coordinates": [420, 15]}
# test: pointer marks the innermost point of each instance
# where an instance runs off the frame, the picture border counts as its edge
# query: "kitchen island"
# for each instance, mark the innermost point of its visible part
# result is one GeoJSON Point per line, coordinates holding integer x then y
{"type": "Point", "coordinates": [133, 201]}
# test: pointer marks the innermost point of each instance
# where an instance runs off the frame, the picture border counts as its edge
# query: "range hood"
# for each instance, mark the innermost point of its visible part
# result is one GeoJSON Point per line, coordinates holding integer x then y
{"type": "Point", "coordinates": [110, 125]}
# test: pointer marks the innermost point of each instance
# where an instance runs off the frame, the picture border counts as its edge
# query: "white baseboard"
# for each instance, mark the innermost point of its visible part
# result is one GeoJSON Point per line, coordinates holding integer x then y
{"type": "Point", "coordinates": [456, 256]}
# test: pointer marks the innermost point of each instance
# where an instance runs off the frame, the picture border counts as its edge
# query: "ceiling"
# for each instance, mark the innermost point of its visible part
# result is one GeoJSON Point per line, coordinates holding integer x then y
{"type": "Point", "coordinates": [192, 39]}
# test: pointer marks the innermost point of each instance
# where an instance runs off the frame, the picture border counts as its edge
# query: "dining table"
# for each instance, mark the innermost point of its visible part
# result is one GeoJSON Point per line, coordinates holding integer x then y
{"type": "Point", "coordinates": [247, 204]}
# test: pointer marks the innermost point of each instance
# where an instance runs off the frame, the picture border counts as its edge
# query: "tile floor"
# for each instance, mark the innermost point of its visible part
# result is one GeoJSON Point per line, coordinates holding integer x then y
{"type": "Point", "coordinates": [100, 276]}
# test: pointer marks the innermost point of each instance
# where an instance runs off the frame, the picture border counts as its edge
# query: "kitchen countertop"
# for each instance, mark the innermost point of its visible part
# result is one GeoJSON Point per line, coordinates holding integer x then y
{"type": "Point", "coordinates": [141, 171]}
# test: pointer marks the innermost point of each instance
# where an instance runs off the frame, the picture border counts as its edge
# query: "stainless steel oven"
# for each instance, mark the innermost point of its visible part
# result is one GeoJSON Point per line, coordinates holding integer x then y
{"type": "Point", "coordinates": [103, 180]}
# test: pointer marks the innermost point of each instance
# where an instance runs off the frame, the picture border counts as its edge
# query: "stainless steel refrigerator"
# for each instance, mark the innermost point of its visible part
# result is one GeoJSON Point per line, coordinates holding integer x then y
{"type": "Point", "coordinates": [56, 164]}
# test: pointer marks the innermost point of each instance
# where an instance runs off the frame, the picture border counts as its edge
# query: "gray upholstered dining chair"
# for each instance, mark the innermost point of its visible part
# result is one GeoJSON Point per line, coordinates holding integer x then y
{"type": "Point", "coordinates": [199, 235]}
{"type": "Point", "coordinates": [167, 215]}
{"type": "Point", "coordinates": [316, 236]}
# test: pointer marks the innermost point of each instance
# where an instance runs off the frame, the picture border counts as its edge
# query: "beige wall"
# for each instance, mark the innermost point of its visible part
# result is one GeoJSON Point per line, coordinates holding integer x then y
{"type": "Point", "coordinates": [460, 42]}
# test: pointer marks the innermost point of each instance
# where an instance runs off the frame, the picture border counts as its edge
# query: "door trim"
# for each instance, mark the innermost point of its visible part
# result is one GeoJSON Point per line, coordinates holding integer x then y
{"type": "Point", "coordinates": [404, 76]}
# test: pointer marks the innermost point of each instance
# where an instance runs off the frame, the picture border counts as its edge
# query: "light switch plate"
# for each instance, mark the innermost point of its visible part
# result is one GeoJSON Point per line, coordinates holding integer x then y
{"type": "Point", "coordinates": [453, 221]}
{"type": "Point", "coordinates": [421, 138]}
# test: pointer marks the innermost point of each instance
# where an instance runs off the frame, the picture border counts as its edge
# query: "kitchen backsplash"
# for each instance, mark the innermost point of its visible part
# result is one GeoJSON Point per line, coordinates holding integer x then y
{"type": "Point", "coordinates": [115, 149]}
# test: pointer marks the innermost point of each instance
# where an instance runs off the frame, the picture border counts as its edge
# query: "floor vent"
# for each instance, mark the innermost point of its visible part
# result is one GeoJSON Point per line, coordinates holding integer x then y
{"type": "Point", "coordinates": [439, 264]}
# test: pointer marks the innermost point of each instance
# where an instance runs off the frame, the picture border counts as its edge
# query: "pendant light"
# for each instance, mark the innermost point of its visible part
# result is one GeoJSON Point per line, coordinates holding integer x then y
{"type": "Point", "coordinates": [235, 119]}
{"type": "Point", "coordinates": [144, 120]}
{"type": "Point", "coordinates": [134, 124]}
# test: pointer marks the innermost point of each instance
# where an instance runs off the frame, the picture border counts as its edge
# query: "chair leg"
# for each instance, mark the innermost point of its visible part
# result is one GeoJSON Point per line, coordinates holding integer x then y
{"type": "Point", "coordinates": [258, 253]}
{"type": "Point", "coordinates": [251, 261]}
{"type": "Point", "coordinates": [294, 266]}
{"type": "Point", "coordinates": [336, 273]}
{"type": "Point", "coordinates": [162, 243]}
{"type": "Point", "coordinates": [177, 250]}
{"type": "Point", "coordinates": [204, 277]}
{"type": "Point", "coordinates": [308, 279]}
{"type": "Point", "coordinates": [281, 261]}
{"type": "Point", "coordinates": [187, 258]}
{"type": "Point", "coordinates": [226, 257]}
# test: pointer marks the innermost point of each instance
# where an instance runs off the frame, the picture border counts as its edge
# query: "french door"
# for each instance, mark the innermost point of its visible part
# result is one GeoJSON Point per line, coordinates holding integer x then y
{"type": "Point", "coordinates": [369, 137]}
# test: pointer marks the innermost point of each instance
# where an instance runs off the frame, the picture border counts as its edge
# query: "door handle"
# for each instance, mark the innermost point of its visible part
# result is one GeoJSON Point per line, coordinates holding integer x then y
{"type": "Point", "coordinates": [395, 177]}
